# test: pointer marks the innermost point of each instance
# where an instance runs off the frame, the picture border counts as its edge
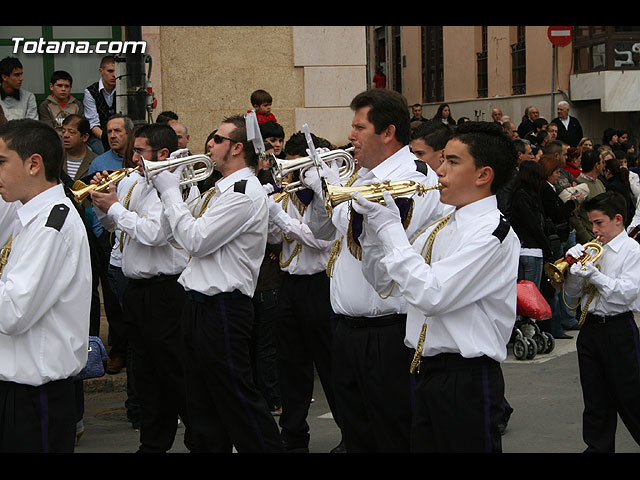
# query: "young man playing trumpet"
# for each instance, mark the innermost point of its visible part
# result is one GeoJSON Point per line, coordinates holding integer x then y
{"type": "Point", "coordinates": [608, 352]}
{"type": "Point", "coordinates": [225, 234]}
{"type": "Point", "coordinates": [458, 277]}
{"type": "Point", "coordinates": [153, 298]}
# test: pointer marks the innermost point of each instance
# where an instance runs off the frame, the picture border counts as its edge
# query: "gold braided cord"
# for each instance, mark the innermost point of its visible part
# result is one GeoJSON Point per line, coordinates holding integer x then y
{"type": "Point", "coordinates": [333, 256]}
{"type": "Point", "coordinates": [591, 291]}
{"type": "Point", "coordinates": [417, 358]}
{"type": "Point", "coordinates": [126, 202]}
{"type": "Point", "coordinates": [5, 251]}
{"type": "Point", "coordinates": [294, 254]}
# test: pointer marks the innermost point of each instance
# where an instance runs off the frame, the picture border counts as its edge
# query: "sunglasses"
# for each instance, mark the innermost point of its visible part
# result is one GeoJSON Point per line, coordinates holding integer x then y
{"type": "Point", "coordinates": [219, 139]}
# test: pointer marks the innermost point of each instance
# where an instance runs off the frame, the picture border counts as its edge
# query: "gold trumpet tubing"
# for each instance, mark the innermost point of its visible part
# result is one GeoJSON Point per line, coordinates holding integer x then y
{"type": "Point", "coordinates": [81, 190]}
{"type": "Point", "coordinates": [335, 195]}
{"type": "Point", "coordinates": [557, 270]}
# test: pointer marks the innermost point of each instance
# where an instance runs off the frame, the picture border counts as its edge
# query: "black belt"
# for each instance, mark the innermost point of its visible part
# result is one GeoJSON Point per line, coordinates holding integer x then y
{"type": "Point", "coordinates": [202, 298]}
{"type": "Point", "coordinates": [455, 361]}
{"type": "Point", "coordinates": [602, 319]}
{"type": "Point", "coordinates": [152, 280]}
{"type": "Point", "coordinates": [361, 322]}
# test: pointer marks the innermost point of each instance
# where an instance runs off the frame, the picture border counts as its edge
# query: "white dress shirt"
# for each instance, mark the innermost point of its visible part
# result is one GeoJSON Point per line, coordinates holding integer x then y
{"type": "Point", "coordinates": [351, 294]}
{"type": "Point", "coordinates": [313, 253]}
{"type": "Point", "coordinates": [148, 249]}
{"type": "Point", "coordinates": [7, 219]}
{"type": "Point", "coordinates": [227, 242]}
{"type": "Point", "coordinates": [45, 294]}
{"type": "Point", "coordinates": [468, 295]}
{"type": "Point", "coordinates": [618, 286]}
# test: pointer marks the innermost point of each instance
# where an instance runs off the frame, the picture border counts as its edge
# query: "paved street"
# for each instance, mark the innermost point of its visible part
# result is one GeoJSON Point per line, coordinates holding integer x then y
{"type": "Point", "coordinates": [545, 393]}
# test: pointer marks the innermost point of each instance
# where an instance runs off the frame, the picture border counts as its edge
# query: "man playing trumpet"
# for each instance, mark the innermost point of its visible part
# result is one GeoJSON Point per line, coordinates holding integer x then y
{"type": "Point", "coordinates": [225, 235]}
{"type": "Point", "coordinates": [153, 299]}
{"type": "Point", "coordinates": [459, 279]}
{"type": "Point", "coordinates": [372, 384]}
{"type": "Point", "coordinates": [607, 344]}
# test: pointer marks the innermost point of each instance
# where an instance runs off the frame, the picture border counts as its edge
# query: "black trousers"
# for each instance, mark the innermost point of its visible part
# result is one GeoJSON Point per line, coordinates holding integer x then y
{"type": "Point", "coordinates": [609, 361]}
{"type": "Point", "coordinates": [225, 406]}
{"type": "Point", "coordinates": [459, 405]}
{"type": "Point", "coordinates": [372, 383]}
{"type": "Point", "coordinates": [38, 419]}
{"type": "Point", "coordinates": [153, 310]}
{"type": "Point", "coordinates": [305, 335]}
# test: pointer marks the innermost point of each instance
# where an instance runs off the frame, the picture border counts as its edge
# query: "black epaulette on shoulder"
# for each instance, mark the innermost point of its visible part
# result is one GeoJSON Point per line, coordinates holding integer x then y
{"type": "Point", "coordinates": [240, 186]}
{"type": "Point", "coordinates": [421, 167]}
{"type": "Point", "coordinates": [502, 229]}
{"type": "Point", "coordinates": [57, 216]}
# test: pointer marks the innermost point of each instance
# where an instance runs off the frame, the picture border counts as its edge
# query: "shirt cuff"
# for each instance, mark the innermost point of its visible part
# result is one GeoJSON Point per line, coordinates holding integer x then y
{"type": "Point", "coordinates": [115, 211]}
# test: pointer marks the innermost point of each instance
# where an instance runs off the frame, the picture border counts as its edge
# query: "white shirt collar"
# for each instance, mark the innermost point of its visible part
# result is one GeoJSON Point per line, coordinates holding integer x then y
{"type": "Point", "coordinates": [225, 182]}
{"type": "Point", "coordinates": [472, 211]}
{"type": "Point", "coordinates": [616, 242]}
{"type": "Point", "coordinates": [41, 201]}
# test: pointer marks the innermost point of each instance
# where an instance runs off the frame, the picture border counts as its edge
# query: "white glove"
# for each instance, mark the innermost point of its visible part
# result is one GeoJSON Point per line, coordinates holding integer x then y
{"type": "Point", "coordinates": [268, 188]}
{"type": "Point", "coordinates": [179, 153]}
{"type": "Point", "coordinates": [329, 173]}
{"type": "Point", "coordinates": [576, 251]}
{"type": "Point", "coordinates": [586, 272]}
{"type": "Point", "coordinates": [274, 208]}
{"type": "Point", "coordinates": [376, 215]}
{"type": "Point", "coordinates": [165, 180]}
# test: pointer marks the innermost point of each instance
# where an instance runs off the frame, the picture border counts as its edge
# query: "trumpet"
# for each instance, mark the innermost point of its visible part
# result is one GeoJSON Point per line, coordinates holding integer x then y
{"type": "Point", "coordinates": [280, 168]}
{"type": "Point", "coordinates": [81, 190]}
{"type": "Point", "coordinates": [557, 270]}
{"type": "Point", "coordinates": [335, 195]}
{"type": "Point", "coordinates": [191, 173]}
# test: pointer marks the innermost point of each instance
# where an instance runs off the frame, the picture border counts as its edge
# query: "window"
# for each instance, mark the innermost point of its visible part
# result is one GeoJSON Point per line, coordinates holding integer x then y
{"type": "Point", "coordinates": [482, 68]}
{"type": "Point", "coordinates": [396, 59]}
{"type": "Point", "coordinates": [606, 48]}
{"type": "Point", "coordinates": [38, 67]}
{"type": "Point", "coordinates": [432, 64]}
{"type": "Point", "coordinates": [519, 63]}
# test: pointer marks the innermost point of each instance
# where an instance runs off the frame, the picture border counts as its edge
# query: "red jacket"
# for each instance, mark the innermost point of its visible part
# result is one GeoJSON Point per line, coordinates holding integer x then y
{"type": "Point", "coordinates": [572, 169]}
{"type": "Point", "coordinates": [262, 118]}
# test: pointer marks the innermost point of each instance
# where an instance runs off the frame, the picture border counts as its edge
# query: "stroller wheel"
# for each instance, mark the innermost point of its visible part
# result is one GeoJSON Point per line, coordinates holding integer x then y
{"type": "Point", "coordinates": [551, 342]}
{"type": "Point", "coordinates": [532, 349]}
{"type": "Point", "coordinates": [541, 342]}
{"type": "Point", "coordinates": [520, 349]}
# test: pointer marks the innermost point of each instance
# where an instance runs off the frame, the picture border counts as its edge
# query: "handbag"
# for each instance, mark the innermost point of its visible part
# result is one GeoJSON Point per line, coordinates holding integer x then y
{"type": "Point", "coordinates": [96, 360]}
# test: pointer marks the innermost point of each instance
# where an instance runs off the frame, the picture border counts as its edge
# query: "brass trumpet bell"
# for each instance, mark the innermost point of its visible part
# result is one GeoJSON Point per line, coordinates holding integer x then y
{"type": "Point", "coordinates": [335, 195]}
{"type": "Point", "coordinates": [281, 168]}
{"type": "Point", "coordinates": [196, 168]}
{"type": "Point", "coordinates": [557, 270]}
{"type": "Point", "coordinates": [81, 190]}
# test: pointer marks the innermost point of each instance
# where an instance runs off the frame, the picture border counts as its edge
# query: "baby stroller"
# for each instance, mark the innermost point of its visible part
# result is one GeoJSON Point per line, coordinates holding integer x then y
{"type": "Point", "coordinates": [527, 340]}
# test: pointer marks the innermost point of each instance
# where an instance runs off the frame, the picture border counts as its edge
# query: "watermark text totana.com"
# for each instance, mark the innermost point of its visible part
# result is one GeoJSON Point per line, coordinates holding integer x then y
{"type": "Point", "coordinates": [112, 47]}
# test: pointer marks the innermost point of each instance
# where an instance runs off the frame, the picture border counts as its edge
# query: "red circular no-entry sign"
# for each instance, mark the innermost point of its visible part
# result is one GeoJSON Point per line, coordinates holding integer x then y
{"type": "Point", "coordinates": [560, 36]}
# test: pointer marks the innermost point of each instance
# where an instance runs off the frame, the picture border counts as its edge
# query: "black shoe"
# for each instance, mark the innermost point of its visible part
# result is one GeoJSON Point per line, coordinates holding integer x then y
{"type": "Point", "coordinates": [339, 448]}
{"type": "Point", "coordinates": [573, 327]}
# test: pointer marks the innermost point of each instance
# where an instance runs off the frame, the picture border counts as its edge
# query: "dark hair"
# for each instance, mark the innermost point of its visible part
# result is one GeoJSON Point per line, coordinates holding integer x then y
{"type": "Point", "coordinates": [438, 115]}
{"type": "Point", "coordinates": [166, 116]}
{"type": "Point", "coordinates": [106, 60]}
{"type": "Point", "coordinates": [271, 129]}
{"type": "Point", "coordinates": [520, 145]}
{"type": "Point", "coordinates": [613, 165]}
{"type": "Point", "coordinates": [240, 135]}
{"type": "Point", "coordinates": [540, 122]}
{"type": "Point", "coordinates": [611, 203]}
{"type": "Point", "coordinates": [258, 97]}
{"type": "Point", "coordinates": [60, 75]}
{"type": "Point", "coordinates": [27, 137]}
{"type": "Point", "coordinates": [554, 146]}
{"type": "Point", "coordinates": [489, 146]}
{"type": "Point", "coordinates": [434, 134]}
{"type": "Point", "coordinates": [573, 153]}
{"type": "Point", "coordinates": [8, 65]}
{"type": "Point", "coordinates": [387, 108]}
{"type": "Point", "coordinates": [297, 144]}
{"type": "Point", "coordinates": [530, 176]}
{"type": "Point", "coordinates": [159, 136]}
{"type": "Point", "coordinates": [589, 160]}
{"type": "Point", "coordinates": [81, 123]}
{"type": "Point", "coordinates": [608, 134]}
